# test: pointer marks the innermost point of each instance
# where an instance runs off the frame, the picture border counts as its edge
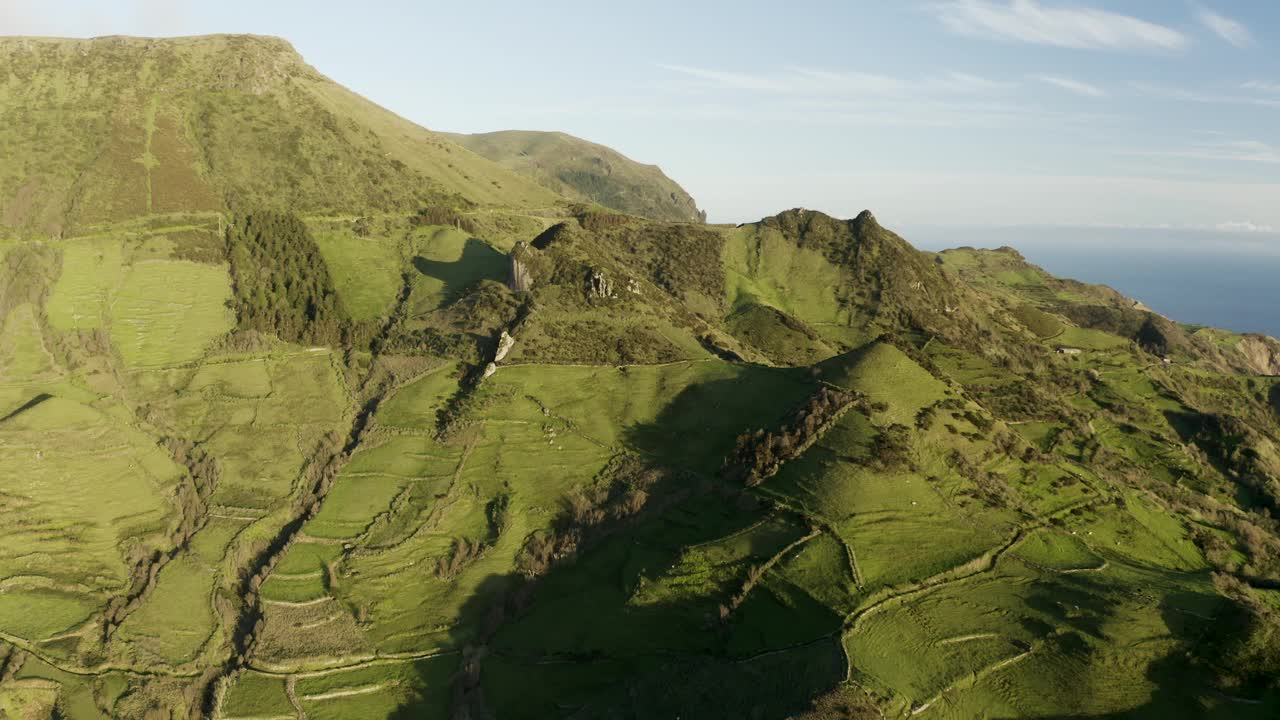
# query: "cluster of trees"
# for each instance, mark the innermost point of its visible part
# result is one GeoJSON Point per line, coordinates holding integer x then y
{"type": "Point", "coordinates": [281, 283]}
{"type": "Point", "coordinates": [433, 341]}
{"type": "Point", "coordinates": [1247, 649]}
{"type": "Point", "coordinates": [1231, 444]}
{"type": "Point", "coordinates": [758, 455]}
{"type": "Point", "coordinates": [441, 215]}
{"type": "Point", "coordinates": [599, 220]}
{"type": "Point", "coordinates": [461, 553]}
{"type": "Point", "coordinates": [990, 487]}
{"type": "Point", "coordinates": [623, 489]}
{"type": "Point", "coordinates": [891, 448]}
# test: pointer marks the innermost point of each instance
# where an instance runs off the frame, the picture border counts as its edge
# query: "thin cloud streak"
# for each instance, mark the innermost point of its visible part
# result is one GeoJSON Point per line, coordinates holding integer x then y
{"type": "Point", "coordinates": [1027, 21]}
{"type": "Point", "coordinates": [1071, 85]}
{"type": "Point", "coordinates": [1224, 27]}
{"type": "Point", "coordinates": [1262, 86]}
{"type": "Point", "coordinates": [821, 82]}
{"type": "Point", "coordinates": [822, 97]}
{"type": "Point", "coordinates": [1248, 151]}
{"type": "Point", "coordinates": [1184, 95]}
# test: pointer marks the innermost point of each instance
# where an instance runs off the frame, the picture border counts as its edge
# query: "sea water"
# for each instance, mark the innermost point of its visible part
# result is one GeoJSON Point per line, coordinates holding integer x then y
{"type": "Point", "coordinates": [1228, 280]}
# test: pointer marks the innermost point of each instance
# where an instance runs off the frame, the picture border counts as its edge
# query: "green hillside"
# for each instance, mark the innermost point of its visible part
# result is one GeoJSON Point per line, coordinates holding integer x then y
{"type": "Point", "coordinates": [314, 424]}
{"type": "Point", "coordinates": [113, 129]}
{"type": "Point", "coordinates": [585, 171]}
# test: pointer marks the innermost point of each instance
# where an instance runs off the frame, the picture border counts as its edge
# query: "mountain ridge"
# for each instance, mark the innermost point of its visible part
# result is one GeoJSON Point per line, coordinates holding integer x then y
{"type": "Point", "coordinates": [586, 171]}
{"type": "Point", "coordinates": [232, 117]}
{"type": "Point", "coordinates": [290, 429]}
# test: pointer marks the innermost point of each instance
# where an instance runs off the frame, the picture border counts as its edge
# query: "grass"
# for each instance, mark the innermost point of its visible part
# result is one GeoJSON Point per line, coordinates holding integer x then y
{"type": "Point", "coordinates": [260, 416]}
{"type": "Point", "coordinates": [585, 171]}
{"type": "Point", "coordinates": [763, 267]}
{"type": "Point", "coordinates": [365, 270]}
{"type": "Point", "coordinates": [419, 687]}
{"type": "Point", "coordinates": [84, 484]}
{"type": "Point", "coordinates": [256, 695]}
{"type": "Point", "coordinates": [92, 270]}
{"type": "Point", "coordinates": [969, 573]}
{"type": "Point", "coordinates": [173, 624]}
{"type": "Point", "coordinates": [1057, 551]}
{"type": "Point", "coordinates": [447, 261]}
{"type": "Point", "coordinates": [885, 374]}
{"type": "Point", "coordinates": [168, 312]}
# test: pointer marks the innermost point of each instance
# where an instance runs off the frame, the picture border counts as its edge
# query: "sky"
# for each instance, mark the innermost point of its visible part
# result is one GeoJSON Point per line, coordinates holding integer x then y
{"type": "Point", "coordinates": [946, 113]}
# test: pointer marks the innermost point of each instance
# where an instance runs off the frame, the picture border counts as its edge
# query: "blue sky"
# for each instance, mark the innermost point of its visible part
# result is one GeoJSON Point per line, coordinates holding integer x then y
{"type": "Point", "coordinates": [950, 113]}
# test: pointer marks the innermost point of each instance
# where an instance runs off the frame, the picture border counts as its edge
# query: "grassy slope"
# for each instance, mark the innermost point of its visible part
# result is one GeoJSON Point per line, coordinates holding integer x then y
{"type": "Point", "coordinates": [1035, 546]}
{"type": "Point", "coordinates": [585, 171]}
{"type": "Point", "coordinates": [115, 128]}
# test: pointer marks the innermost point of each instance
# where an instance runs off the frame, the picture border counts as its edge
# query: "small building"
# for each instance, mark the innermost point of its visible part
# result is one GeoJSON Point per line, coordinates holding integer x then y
{"type": "Point", "coordinates": [1069, 351]}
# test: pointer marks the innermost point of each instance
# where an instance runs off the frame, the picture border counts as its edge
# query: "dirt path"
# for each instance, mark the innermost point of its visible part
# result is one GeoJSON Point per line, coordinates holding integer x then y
{"type": "Point", "coordinates": [290, 689]}
{"type": "Point", "coordinates": [278, 670]}
{"type": "Point", "coordinates": [368, 690]}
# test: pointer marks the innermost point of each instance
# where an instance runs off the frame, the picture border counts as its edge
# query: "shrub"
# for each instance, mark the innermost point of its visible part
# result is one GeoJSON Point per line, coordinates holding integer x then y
{"type": "Point", "coordinates": [280, 281]}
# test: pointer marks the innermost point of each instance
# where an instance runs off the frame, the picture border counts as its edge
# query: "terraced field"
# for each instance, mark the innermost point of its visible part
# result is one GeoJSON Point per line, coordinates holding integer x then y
{"type": "Point", "coordinates": [369, 441]}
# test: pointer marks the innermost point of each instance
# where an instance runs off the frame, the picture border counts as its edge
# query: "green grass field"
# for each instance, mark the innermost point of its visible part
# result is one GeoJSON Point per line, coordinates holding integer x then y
{"type": "Point", "coordinates": [310, 496]}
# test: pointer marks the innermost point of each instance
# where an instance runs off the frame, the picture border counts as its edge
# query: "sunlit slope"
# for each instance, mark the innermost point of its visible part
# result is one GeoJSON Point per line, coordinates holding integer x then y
{"type": "Point", "coordinates": [587, 172]}
{"type": "Point", "coordinates": [115, 128]}
{"type": "Point", "coordinates": [400, 452]}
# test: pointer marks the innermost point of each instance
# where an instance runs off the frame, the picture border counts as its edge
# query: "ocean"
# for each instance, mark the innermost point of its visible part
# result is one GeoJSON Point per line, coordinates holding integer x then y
{"type": "Point", "coordinates": [1222, 279]}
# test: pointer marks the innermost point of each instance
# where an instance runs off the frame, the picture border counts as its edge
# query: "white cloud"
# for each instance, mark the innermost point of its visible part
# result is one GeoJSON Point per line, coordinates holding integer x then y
{"type": "Point", "coordinates": [806, 96]}
{"type": "Point", "coordinates": [1184, 95]}
{"type": "Point", "coordinates": [1075, 86]}
{"type": "Point", "coordinates": [815, 82]}
{"type": "Point", "coordinates": [1243, 226]}
{"type": "Point", "coordinates": [1226, 28]}
{"type": "Point", "coordinates": [1029, 21]}
{"type": "Point", "coordinates": [1248, 151]}
{"type": "Point", "coordinates": [959, 82]}
{"type": "Point", "coordinates": [1262, 86]}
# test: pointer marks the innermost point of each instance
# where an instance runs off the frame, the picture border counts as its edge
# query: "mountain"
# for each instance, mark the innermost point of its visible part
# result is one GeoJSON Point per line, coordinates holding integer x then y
{"type": "Point", "coordinates": [587, 172]}
{"type": "Point", "coordinates": [279, 447]}
{"type": "Point", "coordinates": [111, 129]}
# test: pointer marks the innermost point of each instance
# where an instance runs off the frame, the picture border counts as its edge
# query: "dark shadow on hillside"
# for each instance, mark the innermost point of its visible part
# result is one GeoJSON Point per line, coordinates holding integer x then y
{"type": "Point", "coordinates": [596, 637]}
{"type": "Point", "coordinates": [1183, 679]}
{"type": "Point", "coordinates": [27, 406]}
{"type": "Point", "coordinates": [431, 697]}
{"type": "Point", "coordinates": [698, 428]}
{"type": "Point", "coordinates": [479, 261]}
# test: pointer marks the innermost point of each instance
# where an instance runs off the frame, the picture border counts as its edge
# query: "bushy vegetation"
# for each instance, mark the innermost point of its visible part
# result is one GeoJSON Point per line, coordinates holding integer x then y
{"type": "Point", "coordinates": [280, 280]}
{"type": "Point", "coordinates": [760, 454]}
{"type": "Point", "coordinates": [722, 471]}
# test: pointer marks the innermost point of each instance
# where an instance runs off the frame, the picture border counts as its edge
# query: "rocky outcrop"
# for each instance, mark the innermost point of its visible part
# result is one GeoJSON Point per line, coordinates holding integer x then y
{"type": "Point", "coordinates": [521, 280]}
{"type": "Point", "coordinates": [505, 343]}
{"type": "Point", "coordinates": [599, 285]}
{"type": "Point", "coordinates": [1261, 354]}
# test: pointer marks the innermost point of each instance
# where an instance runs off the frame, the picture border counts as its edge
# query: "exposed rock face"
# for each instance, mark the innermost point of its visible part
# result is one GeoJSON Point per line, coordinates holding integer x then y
{"type": "Point", "coordinates": [505, 343]}
{"type": "Point", "coordinates": [490, 369]}
{"type": "Point", "coordinates": [599, 285]}
{"type": "Point", "coordinates": [521, 280]}
{"type": "Point", "coordinates": [633, 286]}
{"type": "Point", "coordinates": [1261, 354]}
